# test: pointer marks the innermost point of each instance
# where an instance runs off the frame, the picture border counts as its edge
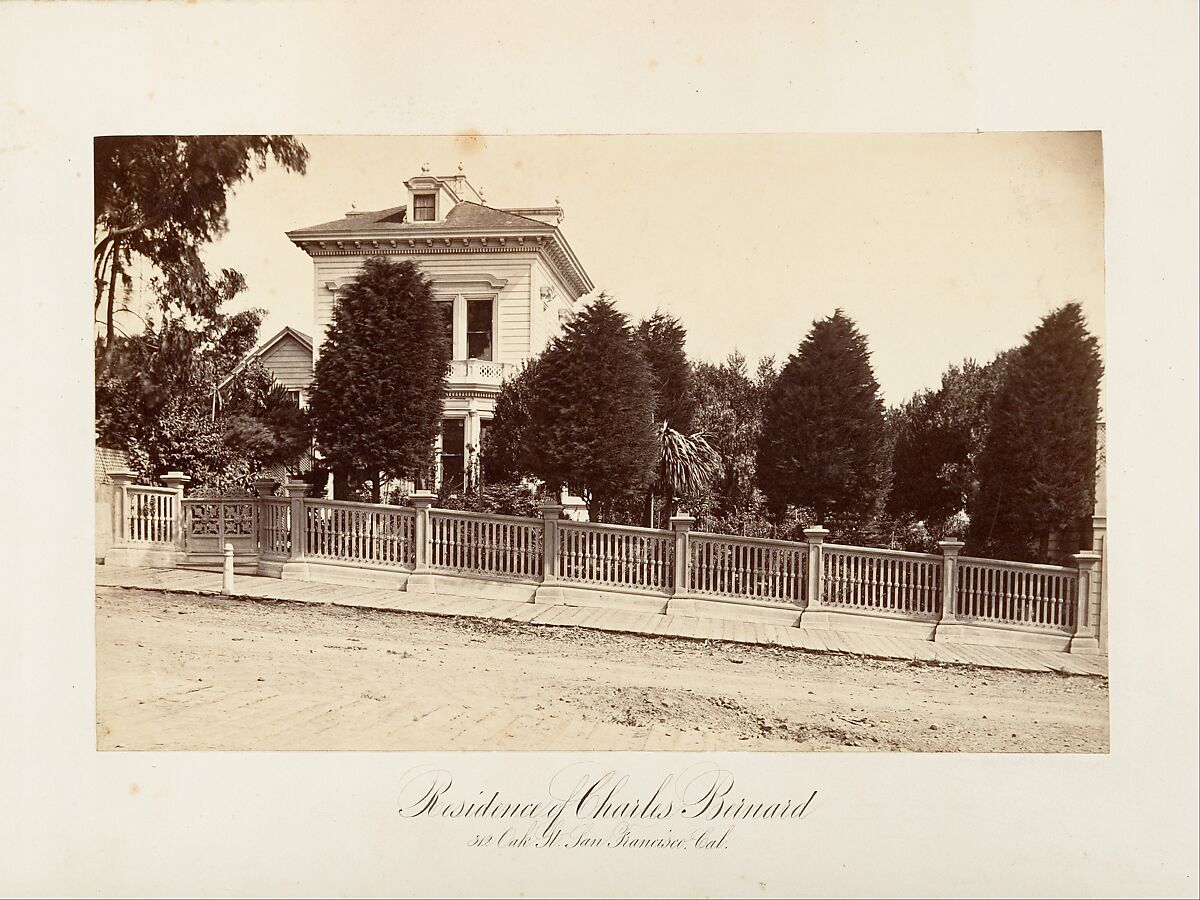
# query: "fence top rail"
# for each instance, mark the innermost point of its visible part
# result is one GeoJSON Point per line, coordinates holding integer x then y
{"type": "Point", "coordinates": [352, 504]}
{"type": "Point", "coordinates": [882, 551]}
{"type": "Point", "coordinates": [983, 563]}
{"type": "Point", "coordinates": [275, 501]}
{"type": "Point", "coordinates": [486, 517]}
{"type": "Point", "coordinates": [151, 489]}
{"type": "Point", "coordinates": [197, 501]}
{"type": "Point", "coordinates": [799, 546]}
{"type": "Point", "coordinates": [615, 529]}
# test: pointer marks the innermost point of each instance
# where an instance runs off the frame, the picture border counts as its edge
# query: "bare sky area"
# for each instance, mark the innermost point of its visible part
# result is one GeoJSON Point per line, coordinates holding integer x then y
{"type": "Point", "coordinates": [940, 246]}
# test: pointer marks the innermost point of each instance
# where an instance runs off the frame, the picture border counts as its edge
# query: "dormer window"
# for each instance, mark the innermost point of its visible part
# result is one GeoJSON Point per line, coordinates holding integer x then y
{"type": "Point", "coordinates": [423, 207]}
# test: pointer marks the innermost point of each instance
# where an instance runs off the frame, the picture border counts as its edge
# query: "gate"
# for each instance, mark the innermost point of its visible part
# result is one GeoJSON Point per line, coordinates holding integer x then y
{"type": "Point", "coordinates": [210, 524]}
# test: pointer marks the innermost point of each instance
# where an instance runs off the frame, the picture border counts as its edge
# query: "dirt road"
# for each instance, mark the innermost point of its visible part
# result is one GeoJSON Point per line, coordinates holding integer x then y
{"type": "Point", "coordinates": [188, 672]}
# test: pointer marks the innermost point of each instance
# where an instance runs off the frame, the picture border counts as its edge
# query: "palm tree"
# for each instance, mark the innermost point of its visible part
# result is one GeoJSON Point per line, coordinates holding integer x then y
{"type": "Point", "coordinates": [687, 465]}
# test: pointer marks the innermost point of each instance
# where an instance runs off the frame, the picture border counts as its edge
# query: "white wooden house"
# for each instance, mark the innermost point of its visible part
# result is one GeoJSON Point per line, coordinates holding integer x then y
{"type": "Point", "coordinates": [506, 278]}
{"type": "Point", "coordinates": [288, 356]}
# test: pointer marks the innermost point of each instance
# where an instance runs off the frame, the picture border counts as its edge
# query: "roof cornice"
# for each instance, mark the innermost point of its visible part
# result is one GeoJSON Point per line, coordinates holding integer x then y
{"type": "Point", "coordinates": [436, 241]}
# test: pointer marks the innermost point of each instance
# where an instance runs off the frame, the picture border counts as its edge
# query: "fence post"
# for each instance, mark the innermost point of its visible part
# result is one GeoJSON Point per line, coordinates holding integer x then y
{"type": "Point", "coordinates": [297, 533]}
{"type": "Point", "coordinates": [682, 525]}
{"type": "Point", "coordinates": [815, 537]}
{"type": "Point", "coordinates": [1086, 637]}
{"type": "Point", "coordinates": [175, 481]}
{"type": "Point", "coordinates": [121, 480]}
{"type": "Point", "coordinates": [950, 551]}
{"type": "Point", "coordinates": [549, 590]}
{"type": "Point", "coordinates": [422, 535]}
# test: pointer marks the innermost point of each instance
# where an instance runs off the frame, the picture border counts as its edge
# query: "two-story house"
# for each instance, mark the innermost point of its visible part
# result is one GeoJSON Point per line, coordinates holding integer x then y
{"type": "Point", "coordinates": [506, 281]}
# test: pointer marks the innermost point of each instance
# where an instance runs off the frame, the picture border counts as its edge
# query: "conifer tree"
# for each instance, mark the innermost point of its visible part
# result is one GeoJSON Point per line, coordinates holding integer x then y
{"type": "Point", "coordinates": [592, 411]}
{"type": "Point", "coordinates": [824, 442]}
{"type": "Point", "coordinates": [506, 455]}
{"type": "Point", "coordinates": [663, 338]}
{"type": "Point", "coordinates": [1038, 466]}
{"type": "Point", "coordinates": [380, 378]}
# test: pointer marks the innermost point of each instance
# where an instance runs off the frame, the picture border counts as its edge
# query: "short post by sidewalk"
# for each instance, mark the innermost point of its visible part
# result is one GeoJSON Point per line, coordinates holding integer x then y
{"type": "Point", "coordinates": [423, 535]}
{"type": "Point", "coordinates": [682, 526]}
{"type": "Point", "coordinates": [815, 537]}
{"type": "Point", "coordinates": [296, 491]}
{"type": "Point", "coordinates": [227, 573]}
{"type": "Point", "coordinates": [121, 480]}
{"type": "Point", "coordinates": [1086, 637]}
{"type": "Point", "coordinates": [950, 551]}
{"type": "Point", "coordinates": [176, 481]}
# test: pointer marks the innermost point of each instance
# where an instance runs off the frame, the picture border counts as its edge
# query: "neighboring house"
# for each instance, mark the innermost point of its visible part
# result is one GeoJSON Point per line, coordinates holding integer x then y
{"type": "Point", "coordinates": [288, 356]}
{"type": "Point", "coordinates": [107, 460]}
{"type": "Point", "coordinates": [506, 280]}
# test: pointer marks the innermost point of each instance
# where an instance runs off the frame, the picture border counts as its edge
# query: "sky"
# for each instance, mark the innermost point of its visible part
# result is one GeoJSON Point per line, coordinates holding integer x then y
{"type": "Point", "coordinates": [940, 246]}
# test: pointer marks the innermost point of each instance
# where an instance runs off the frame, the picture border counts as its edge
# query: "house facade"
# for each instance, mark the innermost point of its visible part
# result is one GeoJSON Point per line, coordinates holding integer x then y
{"type": "Point", "coordinates": [506, 281]}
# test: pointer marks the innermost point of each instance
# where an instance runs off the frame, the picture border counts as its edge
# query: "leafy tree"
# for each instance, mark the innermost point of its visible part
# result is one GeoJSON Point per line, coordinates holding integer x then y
{"type": "Point", "coordinates": [729, 411]}
{"type": "Point", "coordinates": [662, 338]}
{"type": "Point", "coordinates": [380, 378]}
{"type": "Point", "coordinates": [938, 436]}
{"type": "Point", "coordinates": [162, 198]}
{"type": "Point", "coordinates": [156, 393]}
{"type": "Point", "coordinates": [506, 454]}
{"type": "Point", "coordinates": [824, 442]}
{"type": "Point", "coordinates": [1038, 467]}
{"type": "Point", "coordinates": [592, 411]}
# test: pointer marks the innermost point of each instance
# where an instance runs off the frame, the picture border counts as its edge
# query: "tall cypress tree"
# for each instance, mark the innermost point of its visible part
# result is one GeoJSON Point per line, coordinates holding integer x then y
{"type": "Point", "coordinates": [1038, 466]}
{"type": "Point", "coordinates": [380, 379]}
{"type": "Point", "coordinates": [592, 410]}
{"type": "Point", "coordinates": [663, 338]}
{"type": "Point", "coordinates": [824, 441]}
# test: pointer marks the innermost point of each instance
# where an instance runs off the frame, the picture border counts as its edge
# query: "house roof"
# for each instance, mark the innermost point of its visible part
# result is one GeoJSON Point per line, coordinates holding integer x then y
{"type": "Point", "coordinates": [474, 222]}
{"type": "Point", "coordinates": [465, 215]}
{"type": "Point", "coordinates": [285, 333]}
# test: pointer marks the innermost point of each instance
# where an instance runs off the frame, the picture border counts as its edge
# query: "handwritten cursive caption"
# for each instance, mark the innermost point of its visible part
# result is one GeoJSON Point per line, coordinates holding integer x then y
{"type": "Point", "coordinates": [589, 806]}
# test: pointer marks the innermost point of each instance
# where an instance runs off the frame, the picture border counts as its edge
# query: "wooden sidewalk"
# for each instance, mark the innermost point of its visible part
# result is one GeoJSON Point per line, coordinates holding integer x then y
{"type": "Point", "coordinates": [674, 626]}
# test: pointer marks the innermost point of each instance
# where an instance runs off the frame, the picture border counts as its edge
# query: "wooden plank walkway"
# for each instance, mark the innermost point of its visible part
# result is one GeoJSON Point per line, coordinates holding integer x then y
{"type": "Point", "coordinates": [672, 626]}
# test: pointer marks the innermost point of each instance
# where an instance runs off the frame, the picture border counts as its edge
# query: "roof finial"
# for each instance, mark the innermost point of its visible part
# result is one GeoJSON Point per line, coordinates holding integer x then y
{"type": "Point", "coordinates": [460, 167]}
{"type": "Point", "coordinates": [425, 168]}
{"type": "Point", "coordinates": [557, 202]}
{"type": "Point", "coordinates": [481, 193]}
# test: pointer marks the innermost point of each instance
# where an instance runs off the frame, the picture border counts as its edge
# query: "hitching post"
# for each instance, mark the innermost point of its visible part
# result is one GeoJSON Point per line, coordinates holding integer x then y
{"type": "Point", "coordinates": [227, 575]}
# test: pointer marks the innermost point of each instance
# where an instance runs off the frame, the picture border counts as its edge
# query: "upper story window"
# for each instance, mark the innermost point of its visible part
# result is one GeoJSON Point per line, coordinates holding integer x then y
{"type": "Point", "coordinates": [423, 207]}
{"type": "Point", "coordinates": [294, 398]}
{"type": "Point", "coordinates": [479, 329]}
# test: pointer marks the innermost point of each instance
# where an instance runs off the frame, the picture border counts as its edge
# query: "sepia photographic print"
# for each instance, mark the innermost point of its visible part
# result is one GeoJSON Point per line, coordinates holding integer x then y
{"type": "Point", "coordinates": [601, 442]}
{"type": "Point", "coordinates": [551, 449]}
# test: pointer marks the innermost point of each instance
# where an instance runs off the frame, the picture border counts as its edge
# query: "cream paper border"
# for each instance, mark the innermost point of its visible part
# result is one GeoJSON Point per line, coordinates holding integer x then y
{"type": "Point", "coordinates": [324, 824]}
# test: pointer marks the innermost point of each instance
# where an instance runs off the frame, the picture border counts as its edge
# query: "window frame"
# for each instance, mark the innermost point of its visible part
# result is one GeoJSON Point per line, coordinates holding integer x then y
{"type": "Point", "coordinates": [432, 208]}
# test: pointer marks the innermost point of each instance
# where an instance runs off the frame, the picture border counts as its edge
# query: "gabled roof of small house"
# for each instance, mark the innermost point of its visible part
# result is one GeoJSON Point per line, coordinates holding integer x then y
{"type": "Point", "coordinates": [286, 333]}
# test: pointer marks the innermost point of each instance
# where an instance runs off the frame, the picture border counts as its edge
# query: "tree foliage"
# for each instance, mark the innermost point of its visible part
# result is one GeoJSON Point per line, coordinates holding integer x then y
{"type": "Point", "coordinates": [162, 198]}
{"type": "Point", "coordinates": [1038, 466]}
{"type": "Point", "coordinates": [824, 442]}
{"type": "Point", "coordinates": [507, 453]}
{"type": "Point", "coordinates": [157, 399]}
{"type": "Point", "coordinates": [662, 338]}
{"type": "Point", "coordinates": [729, 409]}
{"type": "Point", "coordinates": [380, 378]}
{"type": "Point", "coordinates": [937, 439]}
{"type": "Point", "coordinates": [592, 411]}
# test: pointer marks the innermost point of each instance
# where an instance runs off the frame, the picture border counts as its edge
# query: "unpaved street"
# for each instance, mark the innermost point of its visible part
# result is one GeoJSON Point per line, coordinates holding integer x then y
{"type": "Point", "coordinates": [187, 672]}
